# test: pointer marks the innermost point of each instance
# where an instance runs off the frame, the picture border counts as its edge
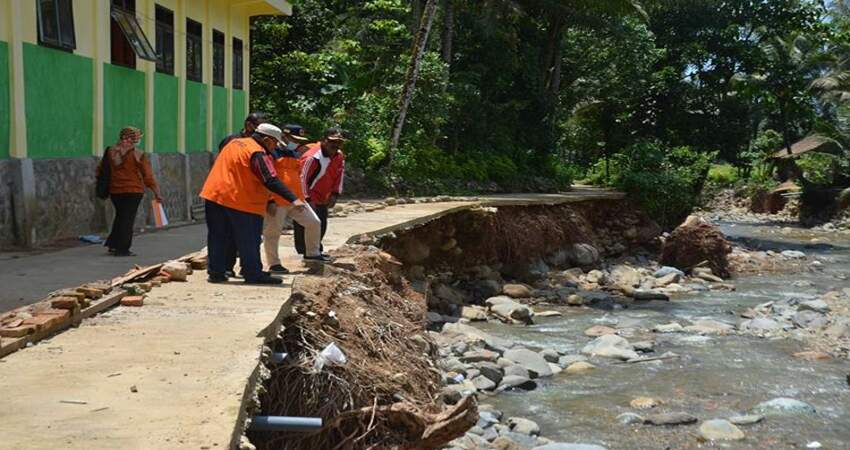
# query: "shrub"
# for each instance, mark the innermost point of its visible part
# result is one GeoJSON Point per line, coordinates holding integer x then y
{"type": "Point", "coordinates": [722, 175]}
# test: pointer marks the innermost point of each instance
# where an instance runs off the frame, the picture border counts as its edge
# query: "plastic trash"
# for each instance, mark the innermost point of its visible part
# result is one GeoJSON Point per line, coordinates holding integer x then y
{"type": "Point", "coordinates": [331, 355]}
{"type": "Point", "coordinates": [91, 239]}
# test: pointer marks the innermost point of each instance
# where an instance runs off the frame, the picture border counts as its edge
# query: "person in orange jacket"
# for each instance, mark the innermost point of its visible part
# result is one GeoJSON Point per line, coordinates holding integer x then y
{"type": "Point", "coordinates": [322, 172]}
{"type": "Point", "coordinates": [236, 194]}
{"type": "Point", "coordinates": [288, 170]}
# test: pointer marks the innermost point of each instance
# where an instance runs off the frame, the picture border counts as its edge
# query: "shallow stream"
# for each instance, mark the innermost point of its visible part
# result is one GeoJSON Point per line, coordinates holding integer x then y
{"type": "Point", "coordinates": [715, 376]}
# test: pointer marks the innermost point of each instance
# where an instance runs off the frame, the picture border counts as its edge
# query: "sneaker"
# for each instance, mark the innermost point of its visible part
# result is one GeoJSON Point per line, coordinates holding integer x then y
{"type": "Point", "coordinates": [279, 269]}
{"type": "Point", "coordinates": [265, 279]}
{"type": "Point", "coordinates": [319, 258]}
{"type": "Point", "coordinates": [230, 274]}
{"type": "Point", "coordinates": [217, 278]}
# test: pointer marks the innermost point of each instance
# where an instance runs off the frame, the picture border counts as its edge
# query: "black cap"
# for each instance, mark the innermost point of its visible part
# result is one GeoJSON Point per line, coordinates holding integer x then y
{"type": "Point", "coordinates": [296, 132]}
{"type": "Point", "coordinates": [335, 134]}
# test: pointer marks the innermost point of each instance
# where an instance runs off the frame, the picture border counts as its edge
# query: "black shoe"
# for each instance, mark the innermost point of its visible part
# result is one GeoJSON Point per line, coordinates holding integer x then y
{"type": "Point", "coordinates": [265, 279]}
{"type": "Point", "coordinates": [279, 269]}
{"type": "Point", "coordinates": [319, 258]}
{"type": "Point", "coordinates": [230, 274]}
{"type": "Point", "coordinates": [217, 278]}
{"type": "Point", "coordinates": [124, 253]}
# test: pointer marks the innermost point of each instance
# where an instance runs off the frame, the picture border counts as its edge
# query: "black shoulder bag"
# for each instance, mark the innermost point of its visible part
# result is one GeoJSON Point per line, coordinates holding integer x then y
{"type": "Point", "coordinates": [103, 178]}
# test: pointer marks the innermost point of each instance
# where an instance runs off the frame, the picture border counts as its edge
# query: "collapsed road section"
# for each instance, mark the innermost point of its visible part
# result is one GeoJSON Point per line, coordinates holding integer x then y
{"type": "Point", "coordinates": [183, 369]}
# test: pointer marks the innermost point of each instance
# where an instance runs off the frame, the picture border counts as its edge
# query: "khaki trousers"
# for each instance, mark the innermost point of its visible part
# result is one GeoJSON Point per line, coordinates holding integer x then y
{"type": "Point", "coordinates": [272, 226]}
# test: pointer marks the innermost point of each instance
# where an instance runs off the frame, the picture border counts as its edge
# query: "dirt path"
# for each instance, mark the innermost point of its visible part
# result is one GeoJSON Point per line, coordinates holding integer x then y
{"type": "Point", "coordinates": [173, 374]}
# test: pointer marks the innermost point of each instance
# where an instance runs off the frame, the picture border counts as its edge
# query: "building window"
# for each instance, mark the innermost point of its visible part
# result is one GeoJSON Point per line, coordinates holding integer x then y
{"type": "Point", "coordinates": [56, 24]}
{"type": "Point", "coordinates": [128, 39]}
{"type": "Point", "coordinates": [194, 49]}
{"type": "Point", "coordinates": [164, 40]}
{"type": "Point", "coordinates": [237, 64]}
{"type": "Point", "coordinates": [218, 58]}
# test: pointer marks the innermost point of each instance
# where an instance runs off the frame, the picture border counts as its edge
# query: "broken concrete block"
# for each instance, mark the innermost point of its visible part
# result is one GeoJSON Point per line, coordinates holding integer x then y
{"type": "Point", "coordinates": [178, 271]}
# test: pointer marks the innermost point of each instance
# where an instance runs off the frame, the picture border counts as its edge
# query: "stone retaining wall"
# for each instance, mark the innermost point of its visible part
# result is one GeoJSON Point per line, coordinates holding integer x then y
{"type": "Point", "coordinates": [44, 200]}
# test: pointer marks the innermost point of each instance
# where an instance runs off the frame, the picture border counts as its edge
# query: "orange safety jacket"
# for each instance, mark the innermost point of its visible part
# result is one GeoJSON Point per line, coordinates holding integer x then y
{"type": "Point", "coordinates": [289, 171]}
{"type": "Point", "coordinates": [231, 181]}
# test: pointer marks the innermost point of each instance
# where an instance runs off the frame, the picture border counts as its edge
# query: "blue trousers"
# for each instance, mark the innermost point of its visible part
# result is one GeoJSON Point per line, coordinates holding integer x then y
{"type": "Point", "coordinates": [229, 231]}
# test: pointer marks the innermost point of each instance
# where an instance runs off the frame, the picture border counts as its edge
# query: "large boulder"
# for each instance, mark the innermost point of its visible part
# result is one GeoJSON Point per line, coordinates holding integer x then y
{"type": "Point", "coordinates": [610, 346]}
{"type": "Point", "coordinates": [509, 310]}
{"type": "Point", "coordinates": [583, 255]}
{"type": "Point", "coordinates": [695, 241]}
{"type": "Point", "coordinates": [533, 362]}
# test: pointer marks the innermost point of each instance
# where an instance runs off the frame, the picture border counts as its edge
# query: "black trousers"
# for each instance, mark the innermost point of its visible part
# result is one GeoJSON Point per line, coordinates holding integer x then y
{"type": "Point", "coordinates": [298, 230]}
{"type": "Point", "coordinates": [126, 207]}
{"type": "Point", "coordinates": [229, 229]}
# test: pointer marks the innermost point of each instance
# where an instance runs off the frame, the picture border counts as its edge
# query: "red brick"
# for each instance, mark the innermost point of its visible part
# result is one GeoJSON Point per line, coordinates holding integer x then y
{"type": "Point", "coordinates": [91, 293]}
{"type": "Point", "coordinates": [133, 300]}
{"type": "Point", "coordinates": [48, 319]}
{"type": "Point", "coordinates": [18, 331]}
{"type": "Point", "coordinates": [69, 303]}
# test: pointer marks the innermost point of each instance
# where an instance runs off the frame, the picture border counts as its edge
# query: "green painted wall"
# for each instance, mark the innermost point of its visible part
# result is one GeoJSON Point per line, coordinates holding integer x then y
{"type": "Point", "coordinates": [123, 101]}
{"type": "Point", "coordinates": [219, 114]}
{"type": "Point", "coordinates": [239, 110]}
{"type": "Point", "coordinates": [196, 117]}
{"type": "Point", "coordinates": [165, 113]}
{"type": "Point", "coordinates": [59, 102]}
{"type": "Point", "coordinates": [5, 115]}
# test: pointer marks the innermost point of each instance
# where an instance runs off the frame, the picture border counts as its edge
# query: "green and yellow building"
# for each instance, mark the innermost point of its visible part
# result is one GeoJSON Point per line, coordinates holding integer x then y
{"type": "Point", "coordinates": [74, 72]}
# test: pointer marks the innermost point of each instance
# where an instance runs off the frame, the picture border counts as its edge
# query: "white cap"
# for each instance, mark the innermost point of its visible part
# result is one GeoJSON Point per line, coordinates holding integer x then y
{"type": "Point", "coordinates": [270, 130]}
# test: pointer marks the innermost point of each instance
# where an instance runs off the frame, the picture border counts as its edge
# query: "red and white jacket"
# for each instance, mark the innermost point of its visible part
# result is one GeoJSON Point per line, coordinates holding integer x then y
{"type": "Point", "coordinates": [321, 176]}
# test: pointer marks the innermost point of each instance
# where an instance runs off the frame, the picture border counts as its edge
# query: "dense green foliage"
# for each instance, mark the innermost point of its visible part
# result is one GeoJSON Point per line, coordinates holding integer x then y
{"type": "Point", "coordinates": [536, 93]}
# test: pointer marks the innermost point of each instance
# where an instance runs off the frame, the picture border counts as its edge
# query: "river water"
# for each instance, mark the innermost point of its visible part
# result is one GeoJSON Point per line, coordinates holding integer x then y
{"type": "Point", "coordinates": [715, 376]}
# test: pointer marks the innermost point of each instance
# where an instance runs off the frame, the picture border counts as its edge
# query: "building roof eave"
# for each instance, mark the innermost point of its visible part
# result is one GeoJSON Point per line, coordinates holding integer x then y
{"type": "Point", "coordinates": [263, 7]}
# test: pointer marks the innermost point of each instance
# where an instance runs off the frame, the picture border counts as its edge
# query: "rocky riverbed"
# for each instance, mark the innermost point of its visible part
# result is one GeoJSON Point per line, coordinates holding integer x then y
{"type": "Point", "coordinates": [628, 353]}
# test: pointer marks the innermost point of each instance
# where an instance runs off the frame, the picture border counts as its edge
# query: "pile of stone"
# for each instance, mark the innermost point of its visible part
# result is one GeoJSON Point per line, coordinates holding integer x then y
{"type": "Point", "coordinates": [495, 431]}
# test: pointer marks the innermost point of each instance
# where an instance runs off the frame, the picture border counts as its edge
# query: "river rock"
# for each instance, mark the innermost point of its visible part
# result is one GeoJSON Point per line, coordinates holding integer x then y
{"type": "Point", "coordinates": [517, 370]}
{"type": "Point", "coordinates": [629, 419]}
{"type": "Point", "coordinates": [761, 324]}
{"type": "Point", "coordinates": [536, 364]}
{"type": "Point", "coordinates": [674, 418]}
{"type": "Point", "coordinates": [550, 355]}
{"type": "Point", "coordinates": [523, 426]}
{"type": "Point", "coordinates": [599, 330]}
{"type": "Point", "coordinates": [623, 276]}
{"type": "Point", "coordinates": [483, 383]}
{"type": "Point", "coordinates": [644, 403]}
{"type": "Point", "coordinates": [562, 446]}
{"type": "Point", "coordinates": [566, 360]}
{"type": "Point", "coordinates": [516, 290]}
{"type": "Point", "coordinates": [707, 326]}
{"type": "Point", "coordinates": [473, 313]}
{"type": "Point", "coordinates": [648, 295]}
{"type": "Point", "coordinates": [747, 419]}
{"type": "Point", "coordinates": [839, 329]}
{"type": "Point", "coordinates": [478, 356]}
{"type": "Point", "coordinates": [784, 406]}
{"type": "Point", "coordinates": [510, 382]}
{"type": "Point", "coordinates": [667, 270]}
{"type": "Point", "coordinates": [584, 255]}
{"type": "Point", "coordinates": [812, 356]}
{"type": "Point", "coordinates": [720, 430]}
{"type": "Point", "coordinates": [610, 346]}
{"type": "Point", "coordinates": [644, 346]}
{"type": "Point", "coordinates": [814, 305]}
{"type": "Point", "coordinates": [667, 280]}
{"type": "Point", "coordinates": [579, 367]}
{"type": "Point", "coordinates": [470, 333]}
{"type": "Point", "coordinates": [576, 300]}
{"type": "Point", "coordinates": [793, 254]}
{"type": "Point", "coordinates": [673, 327]}
{"type": "Point", "coordinates": [809, 319]}
{"type": "Point", "coordinates": [513, 441]}
{"type": "Point", "coordinates": [548, 314]}
{"type": "Point", "coordinates": [507, 309]}
{"type": "Point", "coordinates": [490, 370]}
